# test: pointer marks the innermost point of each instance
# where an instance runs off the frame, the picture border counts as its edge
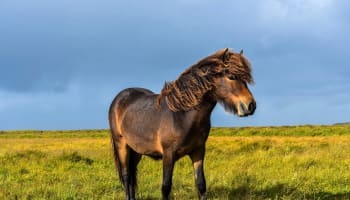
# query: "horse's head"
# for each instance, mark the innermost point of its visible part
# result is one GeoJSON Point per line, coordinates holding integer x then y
{"type": "Point", "coordinates": [224, 76]}
{"type": "Point", "coordinates": [231, 83]}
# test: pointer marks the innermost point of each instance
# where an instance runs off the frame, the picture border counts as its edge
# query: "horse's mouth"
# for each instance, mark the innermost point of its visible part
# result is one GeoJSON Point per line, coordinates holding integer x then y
{"type": "Point", "coordinates": [243, 115]}
{"type": "Point", "coordinates": [244, 110]}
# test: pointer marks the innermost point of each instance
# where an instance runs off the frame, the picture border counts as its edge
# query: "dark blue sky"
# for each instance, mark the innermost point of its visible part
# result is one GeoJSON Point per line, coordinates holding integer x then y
{"type": "Point", "coordinates": [62, 62]}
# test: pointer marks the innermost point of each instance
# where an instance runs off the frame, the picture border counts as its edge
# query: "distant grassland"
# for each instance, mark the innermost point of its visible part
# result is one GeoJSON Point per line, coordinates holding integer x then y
{"type": "Point", "coordinates": [305, 130]}
{"type": "Point", "coordinates": [296, 162]}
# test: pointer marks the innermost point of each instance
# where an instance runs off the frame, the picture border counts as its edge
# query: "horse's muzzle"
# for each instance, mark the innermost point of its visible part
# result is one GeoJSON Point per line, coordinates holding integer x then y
{"type": "Point", "coordinates": [246, 109]}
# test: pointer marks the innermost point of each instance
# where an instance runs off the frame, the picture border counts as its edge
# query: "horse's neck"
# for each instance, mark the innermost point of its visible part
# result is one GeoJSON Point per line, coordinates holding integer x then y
{"type": "Point", "coordinates": [205, 108]}
{"type": "Point", "coordinates": [199, 113]}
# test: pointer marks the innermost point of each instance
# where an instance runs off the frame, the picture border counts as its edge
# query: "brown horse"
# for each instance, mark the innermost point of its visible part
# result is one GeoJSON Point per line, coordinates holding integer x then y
{"type": "Point", "coordinates": [176, 122]}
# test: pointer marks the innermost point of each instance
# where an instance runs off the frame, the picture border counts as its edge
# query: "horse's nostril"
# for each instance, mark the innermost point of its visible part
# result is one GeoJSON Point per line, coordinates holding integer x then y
{"type": "Point", "coordinates": [251, 107]}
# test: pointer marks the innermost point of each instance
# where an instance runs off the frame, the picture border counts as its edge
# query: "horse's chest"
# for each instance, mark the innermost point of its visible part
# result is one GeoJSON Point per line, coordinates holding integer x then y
{"type": "Point", "coordinates": [190, 143]}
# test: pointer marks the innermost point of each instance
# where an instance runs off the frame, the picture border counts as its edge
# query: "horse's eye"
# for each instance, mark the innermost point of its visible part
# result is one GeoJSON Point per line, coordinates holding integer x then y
{"type": "Point", "coordinates": [232, 77]}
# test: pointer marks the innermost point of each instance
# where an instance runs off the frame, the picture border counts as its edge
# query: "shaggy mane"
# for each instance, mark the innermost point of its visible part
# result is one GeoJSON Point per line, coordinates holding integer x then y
{"type": "Point", "coordinates": [188, 89]}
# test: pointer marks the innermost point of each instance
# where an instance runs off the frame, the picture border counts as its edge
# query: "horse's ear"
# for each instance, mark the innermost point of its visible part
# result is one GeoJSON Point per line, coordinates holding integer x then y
{"type": "Point", "coordinates": [241, 53]}
{"type": "Point", "coordinates": [226, 55]}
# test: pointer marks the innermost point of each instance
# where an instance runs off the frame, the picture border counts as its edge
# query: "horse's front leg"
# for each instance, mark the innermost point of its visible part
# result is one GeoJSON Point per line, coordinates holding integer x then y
{"type": "Point", "coordinates": [168, 167]}
{"type": "Point", "coordinates": [197, 158]}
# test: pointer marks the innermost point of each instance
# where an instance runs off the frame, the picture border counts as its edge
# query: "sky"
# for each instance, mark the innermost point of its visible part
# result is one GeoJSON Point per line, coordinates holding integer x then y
{"type": "Point", "coordinates": [62, 62]}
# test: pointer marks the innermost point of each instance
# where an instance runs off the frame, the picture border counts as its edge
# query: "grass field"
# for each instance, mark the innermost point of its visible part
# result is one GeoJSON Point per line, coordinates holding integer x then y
{"type": "Point", "coordinates": [302, 162]}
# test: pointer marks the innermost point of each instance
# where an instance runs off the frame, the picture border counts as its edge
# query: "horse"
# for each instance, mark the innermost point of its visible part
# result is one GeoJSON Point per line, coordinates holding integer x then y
{"type": "Point", "coordinates": [176, 122]}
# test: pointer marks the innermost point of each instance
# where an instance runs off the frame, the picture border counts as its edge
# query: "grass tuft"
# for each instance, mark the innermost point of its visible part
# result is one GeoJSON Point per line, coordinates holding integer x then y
{"type": "Point", "coordinates": [75, 158]}
{"type": "Point", "coordinates": [264, 145]}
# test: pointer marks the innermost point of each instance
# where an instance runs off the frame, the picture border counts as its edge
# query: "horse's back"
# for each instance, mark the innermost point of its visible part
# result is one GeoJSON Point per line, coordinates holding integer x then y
{"type": "Point", "coordinates": [135, 115]}
{"type": "Point", "coordinates": [130, 94]}
{"type": "Point", "coordinates": [126, 97]}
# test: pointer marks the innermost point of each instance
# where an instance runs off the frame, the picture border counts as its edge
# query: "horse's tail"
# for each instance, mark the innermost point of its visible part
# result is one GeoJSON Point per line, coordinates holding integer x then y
{"type": "Point", "coordinates": [114, 139]}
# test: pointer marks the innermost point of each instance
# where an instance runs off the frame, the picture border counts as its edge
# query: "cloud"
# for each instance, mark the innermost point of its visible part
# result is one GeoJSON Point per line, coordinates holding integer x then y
{"type": "Point", "coordinates": [77, 107]}
{"type": "Point", "coordinates": [296, 13]}
{"type": "Point", "coordinates": [65, 60]}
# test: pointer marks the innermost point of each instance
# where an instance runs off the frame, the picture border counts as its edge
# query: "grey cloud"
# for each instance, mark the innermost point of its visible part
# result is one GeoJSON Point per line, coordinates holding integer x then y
{"type": "Point", "coordinates": [102, 47]}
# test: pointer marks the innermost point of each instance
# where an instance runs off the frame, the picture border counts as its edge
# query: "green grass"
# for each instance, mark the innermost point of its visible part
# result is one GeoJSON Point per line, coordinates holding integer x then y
{"type": "Point", "coordinates": [241, 163]}
{"type": "Point", "coordinates": [55, 134]}
{"type": "Point", "coordinates": [306, 130]}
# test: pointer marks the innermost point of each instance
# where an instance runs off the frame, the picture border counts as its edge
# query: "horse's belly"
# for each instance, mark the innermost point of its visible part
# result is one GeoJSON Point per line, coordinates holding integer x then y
{"type": "Point", "coordinates": [145, 147]}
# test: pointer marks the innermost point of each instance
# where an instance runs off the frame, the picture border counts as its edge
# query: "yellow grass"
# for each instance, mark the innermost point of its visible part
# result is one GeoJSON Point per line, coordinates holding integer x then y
{"type": "Point", "coordinates": [237, 167]}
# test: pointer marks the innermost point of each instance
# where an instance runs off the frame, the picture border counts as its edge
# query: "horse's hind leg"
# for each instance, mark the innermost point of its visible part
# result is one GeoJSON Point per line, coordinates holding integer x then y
{"type": "Point", "coordinates": [134, 159]}
{"type": "Point", "coordinates": [123, 168]}
{"type": "Point", "coordinates": [128, 163]}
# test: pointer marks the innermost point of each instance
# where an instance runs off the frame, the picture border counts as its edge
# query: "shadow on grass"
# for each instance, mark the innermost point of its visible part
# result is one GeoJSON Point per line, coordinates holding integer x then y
{"type": "Point", "coordinates": [279, 191]}
{"type": "Point", "coordinates": [150, 198]}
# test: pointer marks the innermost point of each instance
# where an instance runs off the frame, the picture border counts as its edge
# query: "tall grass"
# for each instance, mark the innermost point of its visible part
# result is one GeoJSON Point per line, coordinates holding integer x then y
{"type": "Point", "coordinates": [79, 165]}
